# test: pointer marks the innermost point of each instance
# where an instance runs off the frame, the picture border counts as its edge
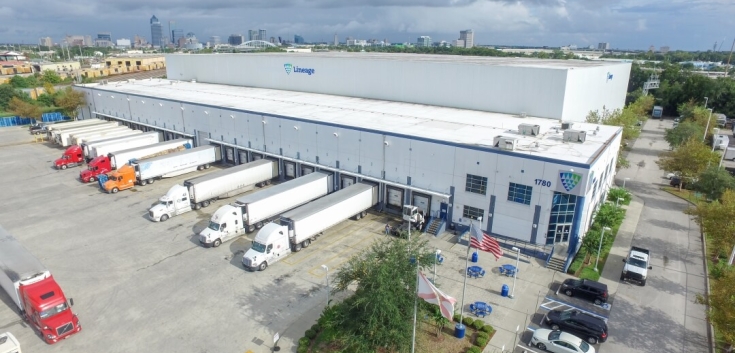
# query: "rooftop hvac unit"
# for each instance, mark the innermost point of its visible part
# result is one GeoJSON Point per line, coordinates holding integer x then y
{"type": "Point", "coordinates": [529, 129]}
{"type": "Point", "coordinates": [566, 126]}
{"type": "Point", "coordinates": [505, 143]}
{"type": "Point", "coordinates": [523, 115]}
{"type": "Point", "coordinates": [575, 136]}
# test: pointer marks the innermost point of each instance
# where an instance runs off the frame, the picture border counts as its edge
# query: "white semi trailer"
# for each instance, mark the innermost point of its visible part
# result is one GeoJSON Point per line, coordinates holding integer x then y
{"type": "Point", "coordinates": [64, 136]}
{"type": "Point", "coordinates": [104, 135]}
{"type": "Point", "coordinates": [104, 147]}
{"type": "Point", "coordinates": [299, 227]}
{"type": "Point", "coordinates": [54, 129]}
{"type": "Point", "coordinates": [199, 192]}
{"type": "Point", "coordinates": [250, 212]}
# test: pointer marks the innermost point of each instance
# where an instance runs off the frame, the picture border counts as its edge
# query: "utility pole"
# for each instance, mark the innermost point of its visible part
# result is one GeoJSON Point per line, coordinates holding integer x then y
{"type": "Point", "coordinates": [727, 67]}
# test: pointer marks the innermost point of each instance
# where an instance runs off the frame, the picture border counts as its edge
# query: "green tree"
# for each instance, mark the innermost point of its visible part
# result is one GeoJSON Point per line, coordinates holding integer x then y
{"type": "Point", "coordinates": [721, 313]}
{"type": "Point", "coordinates": [690, 159]}
{"type": "Point", "coordinates": [7, 92]}
{"type": "Point", "coordinates": [608, 215]}
{"type": "Point", "coordinates": [50, 77]}
{"type": "Point", "coordinates": [683, 132]}
{"type": "Point", "coordinates": [24, 109]}
{"type": "Point", "coordinates": [714, 181]}
{"type": "Point", "coordinates": [590, 244]}
{"type": "Point", "coordinates": [70, 101]}
{"type": "Point", "coordinates": [379, 315]}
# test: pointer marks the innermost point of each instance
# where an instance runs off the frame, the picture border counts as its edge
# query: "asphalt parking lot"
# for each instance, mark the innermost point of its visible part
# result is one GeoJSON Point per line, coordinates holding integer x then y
{"type": "Point", "coordinates": [140, 285]}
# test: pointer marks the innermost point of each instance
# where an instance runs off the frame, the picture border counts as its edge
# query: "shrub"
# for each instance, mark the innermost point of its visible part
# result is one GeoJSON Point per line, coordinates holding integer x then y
{"type": "Point", "coordinates": [474, 349]}
{"type": "Point", "coordinates": [310, 334]}
{"type": "Point", "coordinates": [616, 193]}
{"type": "Point", "coordinates": [483, 335]}
{"type": "Point", "coordinates": [487, 329]}
{"type": "Point", "coordinates": [481, 342]}
{"type": "Point", "coordinates": [456, 317]}
{"type": "Point", "coordinates": [316, 328]}
{"type": "Point", "coordinates": [302, 349]}
{"type": "Point", "coordinates": [478, 324]}
{"type": "Point", "coordinates": [577, 263]}
{"type": "Point", "coordinates": [303, 341]}
{"type": "Point", "coordinates": [468, 321]}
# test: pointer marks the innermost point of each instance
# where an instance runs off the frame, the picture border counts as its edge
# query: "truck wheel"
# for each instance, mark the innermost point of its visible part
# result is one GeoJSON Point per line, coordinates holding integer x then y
{"type": "Point", "coordinates": [63, 166]}
{"type": "Point", "coordinates": [262, 266]}
{"type": "Point", "coordinates": [199, 167]}
{"type": "Point", "coordinates": [357, 217]}
{"type": "Point", "coordinates": [115, 190]}
{"type": "Point", "coordinates": [305, 243]}
{"type": "Point", "coordinates": [217, 243]}
{"type": "Point", "coordinates": [643, 283]}
{"type": "Point", "coordinates": [251, 229]}
{"type": "Point", "coordinates": [164, 218]}
{"type": "Point", "coordinates": [197, 206]}
{"type": "Point", "coordinates": [267, 182]}
{"type": "Point", "coordinates": [258, 225]}
{"type": "Point", "coordinates": [206, 166]}
{"type": "Point", "coordinates": [297, 247]}
{"type": "Point", "coordinates": [205, 203]}
{"type": "Point", "coordinates": [151, 181]}
{"type": "Point", "coordinates": [143, 182]}
{"type": "Point", "coordinates": [92, 179]}
{"type": "Point", "coordinates": [364, 213]}
{"type": "Point", "coordinates": [568, 292]}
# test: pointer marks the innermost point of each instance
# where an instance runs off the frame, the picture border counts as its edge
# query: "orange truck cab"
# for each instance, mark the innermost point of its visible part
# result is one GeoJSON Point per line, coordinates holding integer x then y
{"type": "Point", "coordinates": [121, 179]}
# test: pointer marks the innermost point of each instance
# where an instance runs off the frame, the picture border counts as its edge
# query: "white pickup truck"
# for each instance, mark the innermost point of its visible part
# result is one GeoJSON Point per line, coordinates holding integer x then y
{"type": "Point", "coordinates": [637, 265]}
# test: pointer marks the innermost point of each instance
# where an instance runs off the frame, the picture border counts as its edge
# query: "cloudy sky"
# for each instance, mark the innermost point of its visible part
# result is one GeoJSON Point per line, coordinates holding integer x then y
{"type": "Point", "coordinates": [630, 24]}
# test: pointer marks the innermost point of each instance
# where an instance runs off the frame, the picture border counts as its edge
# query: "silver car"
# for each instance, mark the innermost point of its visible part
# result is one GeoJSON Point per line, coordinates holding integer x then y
{"type": "Point", "coordinates": [559, 342]}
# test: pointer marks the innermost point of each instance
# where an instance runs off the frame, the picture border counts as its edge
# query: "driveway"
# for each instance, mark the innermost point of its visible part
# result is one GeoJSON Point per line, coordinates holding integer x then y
{"type": "Point", "coordinates": [663, 315]}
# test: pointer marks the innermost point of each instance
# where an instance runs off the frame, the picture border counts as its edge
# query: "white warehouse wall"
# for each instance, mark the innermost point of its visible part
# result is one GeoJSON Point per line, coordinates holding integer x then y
{"type": "Point", "coordinates": [592, 88]}
{"type": "Point", "coordinates": [541, 90]}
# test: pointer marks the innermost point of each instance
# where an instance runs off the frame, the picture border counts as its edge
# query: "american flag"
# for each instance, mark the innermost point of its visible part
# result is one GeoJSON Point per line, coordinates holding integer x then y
{"type": "Point", "coordinates": [484, 242]}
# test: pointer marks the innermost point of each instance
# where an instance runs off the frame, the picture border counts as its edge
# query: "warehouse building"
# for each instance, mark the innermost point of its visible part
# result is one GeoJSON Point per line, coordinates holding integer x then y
{"type": "Point", "coordinates": [500, 142]}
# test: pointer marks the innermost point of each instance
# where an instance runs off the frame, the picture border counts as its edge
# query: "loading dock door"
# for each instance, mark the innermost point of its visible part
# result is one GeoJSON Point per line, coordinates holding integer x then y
{"type": "Point", "coordinates": [243, 156]}
{"type": "Point", "coordinates": [289, 169]}
{"type": "Point", "coordinates": [229, 155]}
{"type": "Point", "coordinates": [347, 181]}
{"type": "Point", "coordinates": [257, 156]}
{"type": "Point", "coordinates": [394, 198]}
{"type": "Point", "coordinates": [422, 202]}
{"type": "Point", "coordinates": [306, 170]}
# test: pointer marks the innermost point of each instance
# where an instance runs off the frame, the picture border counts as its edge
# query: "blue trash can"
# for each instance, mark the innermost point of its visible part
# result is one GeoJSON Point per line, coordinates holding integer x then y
{"type": "Point", "coordinates": [504, 290]}
{"type": "Point", "coordinates": [474, 257]}
{"type": "Point", "coordinates": [459, 330]}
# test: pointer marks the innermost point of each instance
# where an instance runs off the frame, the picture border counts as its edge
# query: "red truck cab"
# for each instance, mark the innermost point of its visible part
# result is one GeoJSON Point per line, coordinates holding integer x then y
{"type": "Point", "coordinates": [47, 309]}
{"type": "Point", "coordinates": [98, 165]}
{"type": "Point", "coordinates": [72, 157]}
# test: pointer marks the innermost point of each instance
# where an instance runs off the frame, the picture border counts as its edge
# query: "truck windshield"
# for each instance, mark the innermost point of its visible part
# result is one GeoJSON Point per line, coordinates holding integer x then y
{"type": "Point", "coordinates": [165, 203]}
{"type": "Point", "coordinates": [258, 247]}
{"type": "Point", "coordinates": [636, 262]}
{"type": "Point", "coordinates": [213, 226]}
{"type": "Point", "coordinates": [53, 311]}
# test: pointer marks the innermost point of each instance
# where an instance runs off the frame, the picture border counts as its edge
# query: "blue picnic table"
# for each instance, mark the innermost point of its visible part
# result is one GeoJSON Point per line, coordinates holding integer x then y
{"type": "Point", "coordinates": [481, 309]}
{"type": "Point", "coordinates": [508, 270]}
{"type": "Point", "coordinates": [475, 271]}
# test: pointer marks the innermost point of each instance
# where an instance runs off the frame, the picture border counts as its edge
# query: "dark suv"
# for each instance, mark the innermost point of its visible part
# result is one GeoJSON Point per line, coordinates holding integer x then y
{"type": "Point", "coordinates": [584, 325]}
{"type": "Point", "coordinates": [584, 288]}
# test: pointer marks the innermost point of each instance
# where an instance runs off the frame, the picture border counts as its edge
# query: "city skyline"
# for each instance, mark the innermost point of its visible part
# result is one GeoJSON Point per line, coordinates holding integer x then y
{"type": "Point", "coordinates": [625, 24]}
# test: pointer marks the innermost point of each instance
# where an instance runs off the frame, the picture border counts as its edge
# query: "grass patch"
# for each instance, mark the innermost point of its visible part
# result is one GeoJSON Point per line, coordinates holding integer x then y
{"type": "Point", "coordinates": [688, 195]}
{"type": "Point", "coordinates": [589, 273]}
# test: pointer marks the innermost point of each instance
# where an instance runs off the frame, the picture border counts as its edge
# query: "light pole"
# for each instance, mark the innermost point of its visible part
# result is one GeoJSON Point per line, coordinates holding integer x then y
{"type": "Point", "coordinates": [617, 202]}
{"type": "Point", "coordinates": [705, 102]}
{"type": "Point", "coordinates": [437, 252]}
{"type": "Point", "coordinates": [624, 180]}
{"type": "Point", "coordinates": [715, 131]}
{"type": "Point", "coordinates": [707, 128]}
{"type": "Point", "coordinates": [599, 249]}
{"type": "Point", "coordinates": [326, 269]}
{"type": "Point", "coordinates": [515, 274]}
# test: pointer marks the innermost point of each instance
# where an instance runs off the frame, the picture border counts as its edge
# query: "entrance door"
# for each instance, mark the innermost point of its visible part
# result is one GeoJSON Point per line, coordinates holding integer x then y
{"type": "Point", "coordinates": [561, 235]}
{"type": "Point", "coordinates": [443, 209]}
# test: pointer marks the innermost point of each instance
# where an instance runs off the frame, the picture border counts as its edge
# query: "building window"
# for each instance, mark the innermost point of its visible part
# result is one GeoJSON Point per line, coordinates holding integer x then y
{"type": "Point", "coordinates": [561, 218]}
{"type": "Point", "coordinates": [476, 184]}
{"type": "Point", "coordinates": [472, 212]}
{"type": "Point", "coordinates": [520, 193]}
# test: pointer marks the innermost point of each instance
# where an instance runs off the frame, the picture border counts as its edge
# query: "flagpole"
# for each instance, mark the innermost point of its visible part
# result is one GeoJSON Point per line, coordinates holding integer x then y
{"type": "Point", "coordinates": [416, 297]}
{"type": "Point", "coordinates": [464, 288]}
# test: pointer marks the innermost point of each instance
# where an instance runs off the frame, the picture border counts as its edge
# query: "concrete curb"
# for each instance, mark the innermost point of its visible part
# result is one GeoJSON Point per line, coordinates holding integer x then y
{"type": "Point", "coordinates": [621, 246]}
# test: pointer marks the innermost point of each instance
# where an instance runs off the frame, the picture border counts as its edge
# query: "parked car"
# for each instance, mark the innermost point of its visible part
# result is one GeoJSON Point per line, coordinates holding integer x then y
{"type": "Point", "coordinates": [37, 129]}
{"type": "Point", "coordinates": [585, 288]}
{"type": "Point", "coordinates": [593, 329]}
{"type": "Point", "coordinates": [675, 181]}
{"type": "Point", "coordinates": [559, 342]}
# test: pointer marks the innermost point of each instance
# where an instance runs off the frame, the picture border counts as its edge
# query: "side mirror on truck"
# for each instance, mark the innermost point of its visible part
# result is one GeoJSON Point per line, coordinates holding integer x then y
{"type": "Point", "coordinates": [71, 301]}
{"type": "Point", "coordinates": [623, 260]}
{"type": "Point", "coordinates": [650, 267]}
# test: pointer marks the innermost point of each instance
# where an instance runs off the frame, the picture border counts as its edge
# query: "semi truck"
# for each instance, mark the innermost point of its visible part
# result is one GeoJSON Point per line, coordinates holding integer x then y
{"type": "Point", "coordinates": [64, 136]}
{"type": "Point", "coordinates": [74, 154]}
{"type": "Point", "coordinates": [93, 149]}
{"type": "Point", "coordinates": [658, 112]}
{"type": "Point", "coordinates": [250, 212]}
{"type": "Point", "coordinates": [299, 227]}
{"type": "Point", "coordinates": [8, 343]}
{"type": "Point", "coordinates": [637, 265]}
{"type": "Point", "coordinates": [53, 129]}
{"type": "Point", "coordinates": [32, 288]}
{"type": "Point", "coordinates": [102, 135]}
{"type": "Point", "coordinates": [200, 192]}
{"type": "Point", "coordinates": [148, 149]}
{"type": "Point", "coordinates": [149, 170]}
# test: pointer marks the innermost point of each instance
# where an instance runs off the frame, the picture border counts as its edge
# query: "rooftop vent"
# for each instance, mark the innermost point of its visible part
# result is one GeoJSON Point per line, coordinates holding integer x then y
{"type": "Point", "coordinates": [522, 115]}
{"type": "Point", "coordinates": [505, 143]}
{"type": "Point", "coordinates": [529, 129]}
{"type": "Point", "coordinates": [575, 136]}
{"type": "Point", "coordinates": [566, 126]}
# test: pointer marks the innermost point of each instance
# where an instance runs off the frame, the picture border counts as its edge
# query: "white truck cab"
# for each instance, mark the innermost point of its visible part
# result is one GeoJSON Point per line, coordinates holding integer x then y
{"type": "Point", "coordinates": [226, 223]}
{"type": "Point", "coordinates": [637, 265]}
{"type": "Point", "coordinates": [8, 343]}
{"type": "Point", "coordinates": [175, 202]}
{"type": "Point", "coordinates": [271, 244]}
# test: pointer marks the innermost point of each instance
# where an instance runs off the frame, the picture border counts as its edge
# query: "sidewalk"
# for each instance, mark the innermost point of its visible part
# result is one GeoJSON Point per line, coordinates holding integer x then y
{"type": "Point", "coordinates": [613, 266]}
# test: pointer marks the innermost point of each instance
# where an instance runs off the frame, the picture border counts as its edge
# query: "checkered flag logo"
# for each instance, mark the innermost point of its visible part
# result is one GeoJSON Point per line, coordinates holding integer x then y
{"type": "Point", "coordinates": [569, 180]}
{"type": "Point", "coordinates": [288, 68]}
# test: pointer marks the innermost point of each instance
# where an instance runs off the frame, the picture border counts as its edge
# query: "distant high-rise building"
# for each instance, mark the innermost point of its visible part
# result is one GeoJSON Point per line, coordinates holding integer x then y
{"type": "Point", "coordinates": [252, 34]}
{"type": "Point", "coordinates": [651, 48]}
{"type": "Point", "coordinates": [459, 43]}
{"type": "Point", "coordinates": [156, 32]}
{"type": "Point", "coordinates": [423, 41]}
{"type": "Point", "coordinates": [665, 49]}
{"type": "Point", "coordinates": [176, 34]}
{"type": "Point", "coordinates": [235, 39]}
{"type": "Point", "coordinates": [104, 36]}
{"type": "Point", "coordinates": [78, 40]}
{"type": "Point", "coordinates": [123, 43]}
{"type": "Point", "coordinates": [603, 46]}
{"type": "Point", "coordinates": [261, 34]}
{"type": "Point", "coordinates": [297, 39]}
{"type": "Point", "coordinates": [275, 41]}
{"type": "Point", "coordinates": [139, 41]}
{"type": "Point", "coordinates": [467, 37]}
{"type": "Point", "coordinates": [336, 40]}
{"type": "Point", "coordinates": [214, 40]}
{"type": "Point", "coordinates": [46, 42]}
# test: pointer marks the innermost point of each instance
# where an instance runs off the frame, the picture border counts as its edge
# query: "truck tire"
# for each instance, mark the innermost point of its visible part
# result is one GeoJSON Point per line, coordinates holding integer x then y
{"type": "Point", "coordinates": [164, 218]}
{"type": "Point", "coordinates": [643, 283]}
{"type": "Point", "coordinates": [115, 190]}
{"type": "Point", "coordinates": [251, 229]}
{"type": "Point", "coordinates": [263, 266]}
{"type": "Point", "coordinates": [305, 243]}
{"type": "Point", "coordinates": [297, 247]}
{"type": "Point", "coordinates": [63, 166]}
{"type": "Point", "coordinates": [143, 182]}
{"type": "Point", "coordinates": [197, 206]}
{"type": "Point", "coordinates": [151, 181]}
{"type": "Point", "coordinates": [205, 203]}
{"type": "Point", "coordinates": [258, 225]}
{"type": "Point", "coordinates": [92, 179]}
{"type": "Point", "coordinates": [357, 217]}
{"type": "Point", "coordinates": [217, 243]}
{"type": "Point", "coordinates": [364, 213]}
{"type": "Point", "coordinates": [267, 182]}
{"type": "Point", "coordinates": [199, 167]}
{"type": "Point", "coordinates": [206, 166]}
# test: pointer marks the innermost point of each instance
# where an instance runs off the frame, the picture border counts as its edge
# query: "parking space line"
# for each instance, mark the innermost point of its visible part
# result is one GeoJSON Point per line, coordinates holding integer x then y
{"type": "Point", "coordinates": [572, 307]}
